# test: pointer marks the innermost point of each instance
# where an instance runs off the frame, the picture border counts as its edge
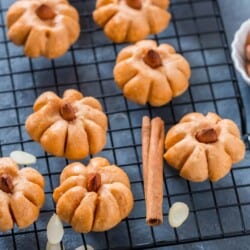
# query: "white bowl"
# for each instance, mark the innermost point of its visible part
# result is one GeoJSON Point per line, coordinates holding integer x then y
{"type": "Point", "coordinates": [238, 50]}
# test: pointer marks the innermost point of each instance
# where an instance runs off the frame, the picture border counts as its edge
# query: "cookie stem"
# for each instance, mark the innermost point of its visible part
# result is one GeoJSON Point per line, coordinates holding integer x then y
{"type": "Point", "coordinates": [93, 182]}
{"type": "Point", "coordinates": [67, 111]}
{"type": "Point", "coordinates": [6, 184]}
{"type": "Point", "coordinates": [134, 4]}
{"type": "Point", "coordinates": [206, 135]}
{"type": "Point", "coordinates": [45, 12]}
{"type": "Point", "coordinates": [152, 59]}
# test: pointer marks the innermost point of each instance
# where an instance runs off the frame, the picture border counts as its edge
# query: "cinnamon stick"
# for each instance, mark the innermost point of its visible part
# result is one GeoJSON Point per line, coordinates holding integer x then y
{"type": "Point", "coordinates": [146, 128]}
{"type": "Point", "coordinates": [152, 159]}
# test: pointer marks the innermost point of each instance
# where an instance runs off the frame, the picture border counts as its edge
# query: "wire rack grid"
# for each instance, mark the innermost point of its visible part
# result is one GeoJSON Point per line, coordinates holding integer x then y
{"type": "Point", "coordinates": [197, 32]}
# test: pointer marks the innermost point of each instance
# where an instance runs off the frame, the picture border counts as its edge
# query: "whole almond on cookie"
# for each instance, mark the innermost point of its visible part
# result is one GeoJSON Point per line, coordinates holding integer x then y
{"type": "Point", "coordinates": [93, 182]}
{"type": "Point", "coordinates": [45, 12]}
{"type": "Point", "coordinates": [152, 59]}
{"type": "Point", "coordinates": [207, 135]}
{"type": "Point", "coordinates": [135, 4]}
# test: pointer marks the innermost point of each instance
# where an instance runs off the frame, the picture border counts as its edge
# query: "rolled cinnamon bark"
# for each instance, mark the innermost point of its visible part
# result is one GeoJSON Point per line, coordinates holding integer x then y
{"type": "Point", "coordinates": [146, 131]}
{"type": "Point", "coordinates": [152, 157]}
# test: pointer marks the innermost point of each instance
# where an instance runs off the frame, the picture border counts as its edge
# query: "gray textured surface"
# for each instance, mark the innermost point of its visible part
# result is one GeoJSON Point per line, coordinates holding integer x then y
{"type": "Point", "coordinates": [239, 243]}
{"type": "Point", "coordinates": [217, 210]}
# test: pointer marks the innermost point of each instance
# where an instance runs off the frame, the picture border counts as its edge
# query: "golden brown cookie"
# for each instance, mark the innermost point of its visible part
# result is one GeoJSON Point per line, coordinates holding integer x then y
{"type": "Point", "coordinates": [44, 27]}
{"type": "Point", "coordinates": [131, 20]}
{"type": "Point", "coordinates": [149, 73]}
{"type": "Point", "coordinates": [21, 195]}
{"type": "Point", "coordinates": [73, 126]}
{"type": "Point", "coordinates": [203, 147]}
{"type": "Point", "coordinates": [93, 198]}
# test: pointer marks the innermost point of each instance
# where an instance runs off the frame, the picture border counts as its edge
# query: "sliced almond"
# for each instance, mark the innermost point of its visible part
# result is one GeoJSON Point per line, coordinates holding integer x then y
{"type": "Point", "coordinates": [56, 246]}
{"type": "Point", "coordinates": [178, 213]}
{"type": "Point", "coordinates": [22, 158]}
{"type": "Point", "coordinates": [82, 247]}
{"type": "Point", "coordinates": [55, 230]}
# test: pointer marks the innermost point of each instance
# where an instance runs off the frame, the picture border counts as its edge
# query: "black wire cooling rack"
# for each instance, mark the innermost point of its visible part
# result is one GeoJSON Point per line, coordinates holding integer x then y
{"type": "Point", "coordinates": [218, 210]}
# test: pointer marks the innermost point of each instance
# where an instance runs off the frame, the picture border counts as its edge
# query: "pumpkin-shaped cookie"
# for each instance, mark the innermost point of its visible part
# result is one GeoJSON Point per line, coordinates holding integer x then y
{"type": "Point", "coordinates": [149, 73]}
{"type": "Point", "coordinates": [73, 126]}
{"type": "Point", "coordinates": [93, 198]}
{"type": "Point", "coordinates": [131, 20]}
{"type": "Point", "coordinates": [21, 195]}
{"type": "Point", "coordinates": [203, 147]}
{"type": "Point", "coordinates": [45, 27]}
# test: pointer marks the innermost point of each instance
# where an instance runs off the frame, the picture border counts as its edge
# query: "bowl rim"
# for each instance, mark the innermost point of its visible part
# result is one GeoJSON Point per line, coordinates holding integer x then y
{"type": "Point", "coordinates": [235, 54]}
